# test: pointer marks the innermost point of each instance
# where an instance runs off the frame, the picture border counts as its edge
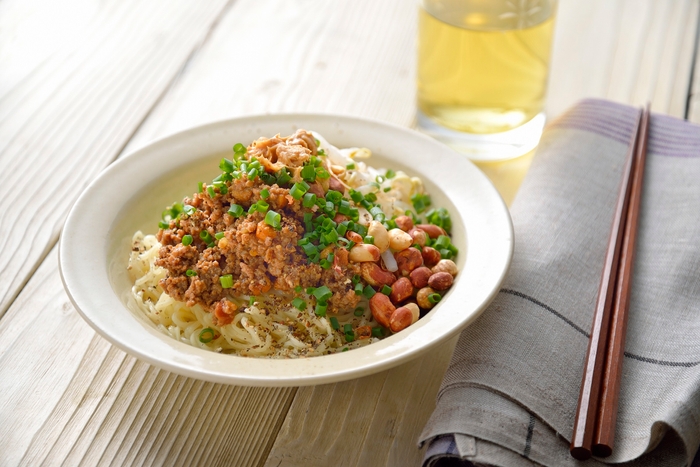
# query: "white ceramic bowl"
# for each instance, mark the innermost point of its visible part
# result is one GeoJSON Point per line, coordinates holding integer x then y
{"type": "Point", "coordinates": [131, 194]}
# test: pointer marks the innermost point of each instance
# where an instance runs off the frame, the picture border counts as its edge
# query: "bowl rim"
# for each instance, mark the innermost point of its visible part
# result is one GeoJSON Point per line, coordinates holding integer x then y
{"type": "Point", "coordinates": [188, 361]}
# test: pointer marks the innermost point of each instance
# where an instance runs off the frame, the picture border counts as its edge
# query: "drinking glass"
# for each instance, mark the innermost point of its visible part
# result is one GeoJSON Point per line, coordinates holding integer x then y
{"type": "Point", "coordinates": [482, 74]}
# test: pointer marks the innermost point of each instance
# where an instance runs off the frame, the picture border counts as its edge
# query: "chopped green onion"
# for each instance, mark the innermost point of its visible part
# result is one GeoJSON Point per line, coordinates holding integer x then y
{"type": "Point", "coordinates": [443, 241]}
{"type": "Point", "coordinates": [190, 273]}
{"type": "Point", "coordinates": [368, 292]}
{"type": "Point", "coordinates": [298, 289]}
{"type": "Point", "coordinates": [390, 174]}
{"type": "Point", "coordinates": [347, 328]}
{"type": "Point", "coordinates": [420, 202]}
{"type": "Point", "coordinates": [206, 335]}
{"type": "Point", "coordinates": [189, 210]}
{"type": "Point", "coordinates": [298, 190]}
{"type": "Point", "coordinates": [252, 173]}
{"type": "Point", "coordinates": [226, 165]}
{"type": "Point", "coordinates": [299, 304]}
{"type": "Point", "coordinates": [226, 281]}
{"type": "Point", "coordinates": [206, 236]}
{"type": "Point", "coordinates": [210, 190]}
{"type": "Point", "coordinates": [322, 293]}
{"type": "Point", "coordinates": [251, 301]}
{"type": "Point", "coordinates": [274, 219]}
{"type": "Point", "coordinates": [334, 323]}
{"type": "Point", "coordinates": [200, 187]}
{"type": "Point", "coordinates": [238, 147]}
{"type": "Point", "coordinates": [350, 166]}
{"type": "Point", "coordinates": [308, 173]}
{"type": "Point", "coordinates": [283, 177]}
{"type": "Point", "coordinates": [356, 196]}
{"type": "Point", "coordinates": [359, 311]}
{"type": "Point", "coordinates": [219, 235]}
{"type": "Point", "coordinates": [355, 279]}
{"type": "Point", "coordinates": [371, 197]}
{"type": "Point", "coordinates": [309, 200]}
{"type": "Point", "coordinates": [264, 194]}
{"type": "Point", "coordinates": [434, 298]}
{"type": "Point", "coordinates": [187, 239]}
{"type": "Point", "coordinates": [345, 349]}
{"type": "Point", "coordinates": [359, 288]}
{"type": "Point", "coordinates": [235, 210]}
{"type": "Point", "coordinates": [321, 309]}
{"type": "Point", "coordinates": [349, 336]}
{"type": "Point", "coordinates": [377, 332]}
{"type": "Point", "coordinates": [369, 239]}
{"type": "Point", "coordinates": [386, 290]}
{"type": "Point", "coordinates": [334, 196]}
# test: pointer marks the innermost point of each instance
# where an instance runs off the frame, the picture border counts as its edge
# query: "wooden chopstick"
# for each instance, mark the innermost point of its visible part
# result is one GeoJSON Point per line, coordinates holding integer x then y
{"type": "Point", "coordinates": [589, 403]}
{"type": "Point", "coordinates": [607, 413]}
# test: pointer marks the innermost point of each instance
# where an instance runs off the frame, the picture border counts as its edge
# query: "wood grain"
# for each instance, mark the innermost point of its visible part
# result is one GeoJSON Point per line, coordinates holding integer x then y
{"type": "Point", "coordinates": [66, 113]}
{"type": "Point", "coordinates": [629, 51]}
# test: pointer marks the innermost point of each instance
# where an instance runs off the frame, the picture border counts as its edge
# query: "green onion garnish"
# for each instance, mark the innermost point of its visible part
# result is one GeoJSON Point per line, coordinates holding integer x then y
{"type": "Point", "coordinates": [187, 239]}
{"type": "Point", "coordinates": [274, 219]}
{"type": "Point", "coordinates": [235, 210]}
{"type": "Point", "coordinates": [369, 239]}
{"type": "Point", "coordinates": [226, 165]}
{"type": "Point", "coordinates": [368, 292]}
{"type": "Point", "coordinates": [350, 166]}
{"type": "Point", "coordinates": [298, 190]}
{"type": "Point", "coordinates": [377, 332]}
{"type": "Point", "coordinates": [190, 273]}
{"type": "Point", "coordinates": [299, 304]}
{"type": "Point", "coordinates": [189, 210]}
{"type": "Point", "coordinates": [264, 194]}
{"type": "Point", "coordinates": [334, 323]}
{"type": "Point", "coordinates": [210, 190]}
{"type": "Point", "coordinates": [359, 311]}
{"type": "Point", "coordinates": [420, 202]}
{"type": "Point", "coordinates": [359, 289]}
{"type": "Point", "coordinates": [321, 309]}
{"type": "Point", "coordinates": [206, 236]}
{"type": "Point", "coordinates": [386, 290]}
{"type": "Point", "coordinates": [322, 293]}
{"type": "Point", "coordinates": [390, 174]}
{"type": "Point", "coordinates": [309, 200]}
{"type": "Point", "coordinates": [226, 281]}
{"type": "Point", "coordinates": [434, 298]}
{"type": "Point", "coordinates": [206, 335]}
{"type": "Point", "coordinates": [238, 147]}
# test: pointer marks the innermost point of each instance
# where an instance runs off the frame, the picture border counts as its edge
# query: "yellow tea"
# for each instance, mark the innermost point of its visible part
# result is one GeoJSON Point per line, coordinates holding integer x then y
{"type": "Point", "coordinates": [482, 71]}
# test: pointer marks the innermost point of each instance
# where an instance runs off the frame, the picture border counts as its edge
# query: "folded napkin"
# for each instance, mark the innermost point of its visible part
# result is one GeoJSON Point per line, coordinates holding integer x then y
{"type": "Point", "coordinates": [509, 396]}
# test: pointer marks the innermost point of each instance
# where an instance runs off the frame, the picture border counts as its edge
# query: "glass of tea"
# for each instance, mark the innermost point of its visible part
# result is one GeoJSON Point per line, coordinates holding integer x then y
{"type": "Point", "coordinates": [482, 74]}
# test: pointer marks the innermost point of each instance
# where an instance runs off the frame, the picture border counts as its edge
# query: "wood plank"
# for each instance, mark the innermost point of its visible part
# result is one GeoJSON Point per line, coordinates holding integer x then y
{"type": "Point", "coordinates": [66, 110]}
{"type": "Point", "coordinates": [74, 399]}
{"type": "Point", "coordinates": [694, 97]}
{"type": "Point", "coordinates": [374, 420]}
{"type": "Point", "coordinates": [629, 51]}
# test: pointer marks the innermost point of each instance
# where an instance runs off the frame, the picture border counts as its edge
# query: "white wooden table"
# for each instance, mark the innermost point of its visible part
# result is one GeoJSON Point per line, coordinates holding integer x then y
{"type": "Point", "coordinates": [83, 82]}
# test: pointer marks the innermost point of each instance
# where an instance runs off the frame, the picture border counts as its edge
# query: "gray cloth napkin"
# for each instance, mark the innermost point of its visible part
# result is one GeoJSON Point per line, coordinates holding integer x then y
{"type": "Point", "coordinates": [509, 396]}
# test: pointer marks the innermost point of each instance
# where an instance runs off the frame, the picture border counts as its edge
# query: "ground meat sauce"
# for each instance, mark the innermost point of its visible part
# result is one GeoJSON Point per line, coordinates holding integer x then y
{"type": "Point", "coordinates": [260, 258]}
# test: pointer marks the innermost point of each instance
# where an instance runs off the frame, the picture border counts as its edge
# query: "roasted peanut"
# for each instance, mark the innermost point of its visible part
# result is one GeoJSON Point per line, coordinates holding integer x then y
{"type": "Point", "coordinates": [335, 184]}
{"type": "Point", "coordinates": [400, 319]}
{"type": "Point", "coordinates": [419, 277]}
{"type": "Point", "coordinates": [401, 290]}
{"type": "Point", "coordinates": [422, 298]}
{"type": "Point", "coordinates": [433, 231]}
{"type": "Point", "coordinates": [431, 256]}
{"type": "Point", "coordinates": [376, 276]}
{"type": "Point", "coordinates": [337, 169]}
{"type": "Point", "coordinates": [353, 236]}
{"type": "Point", "coordinates": [408, 260]}
{"type": "Point", "coordinates": [381, 237]}
{"type": "Point", "coordinates": [364, 252]}
{"type": "Point", "coordinates": [381, 307]}
{"type": "Point", "coordinates": [419, 237]}
{"type": "Point", "coordinates": [404, 223]}
{"type": "Point", "coordinates": [446, 265]}
{"type": "Point", "coordinates": [440, 281]}
{"type": "Point", "coordinates": [363, 332]}
{"type": "Point", "coordinates": [414, 309]}
{"type": "Point", "coordinates": [399, 240]}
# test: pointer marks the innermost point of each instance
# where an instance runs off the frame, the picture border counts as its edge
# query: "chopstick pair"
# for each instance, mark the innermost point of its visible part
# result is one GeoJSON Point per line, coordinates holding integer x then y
{"type": "Point", "coordinates": [596, 416]}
